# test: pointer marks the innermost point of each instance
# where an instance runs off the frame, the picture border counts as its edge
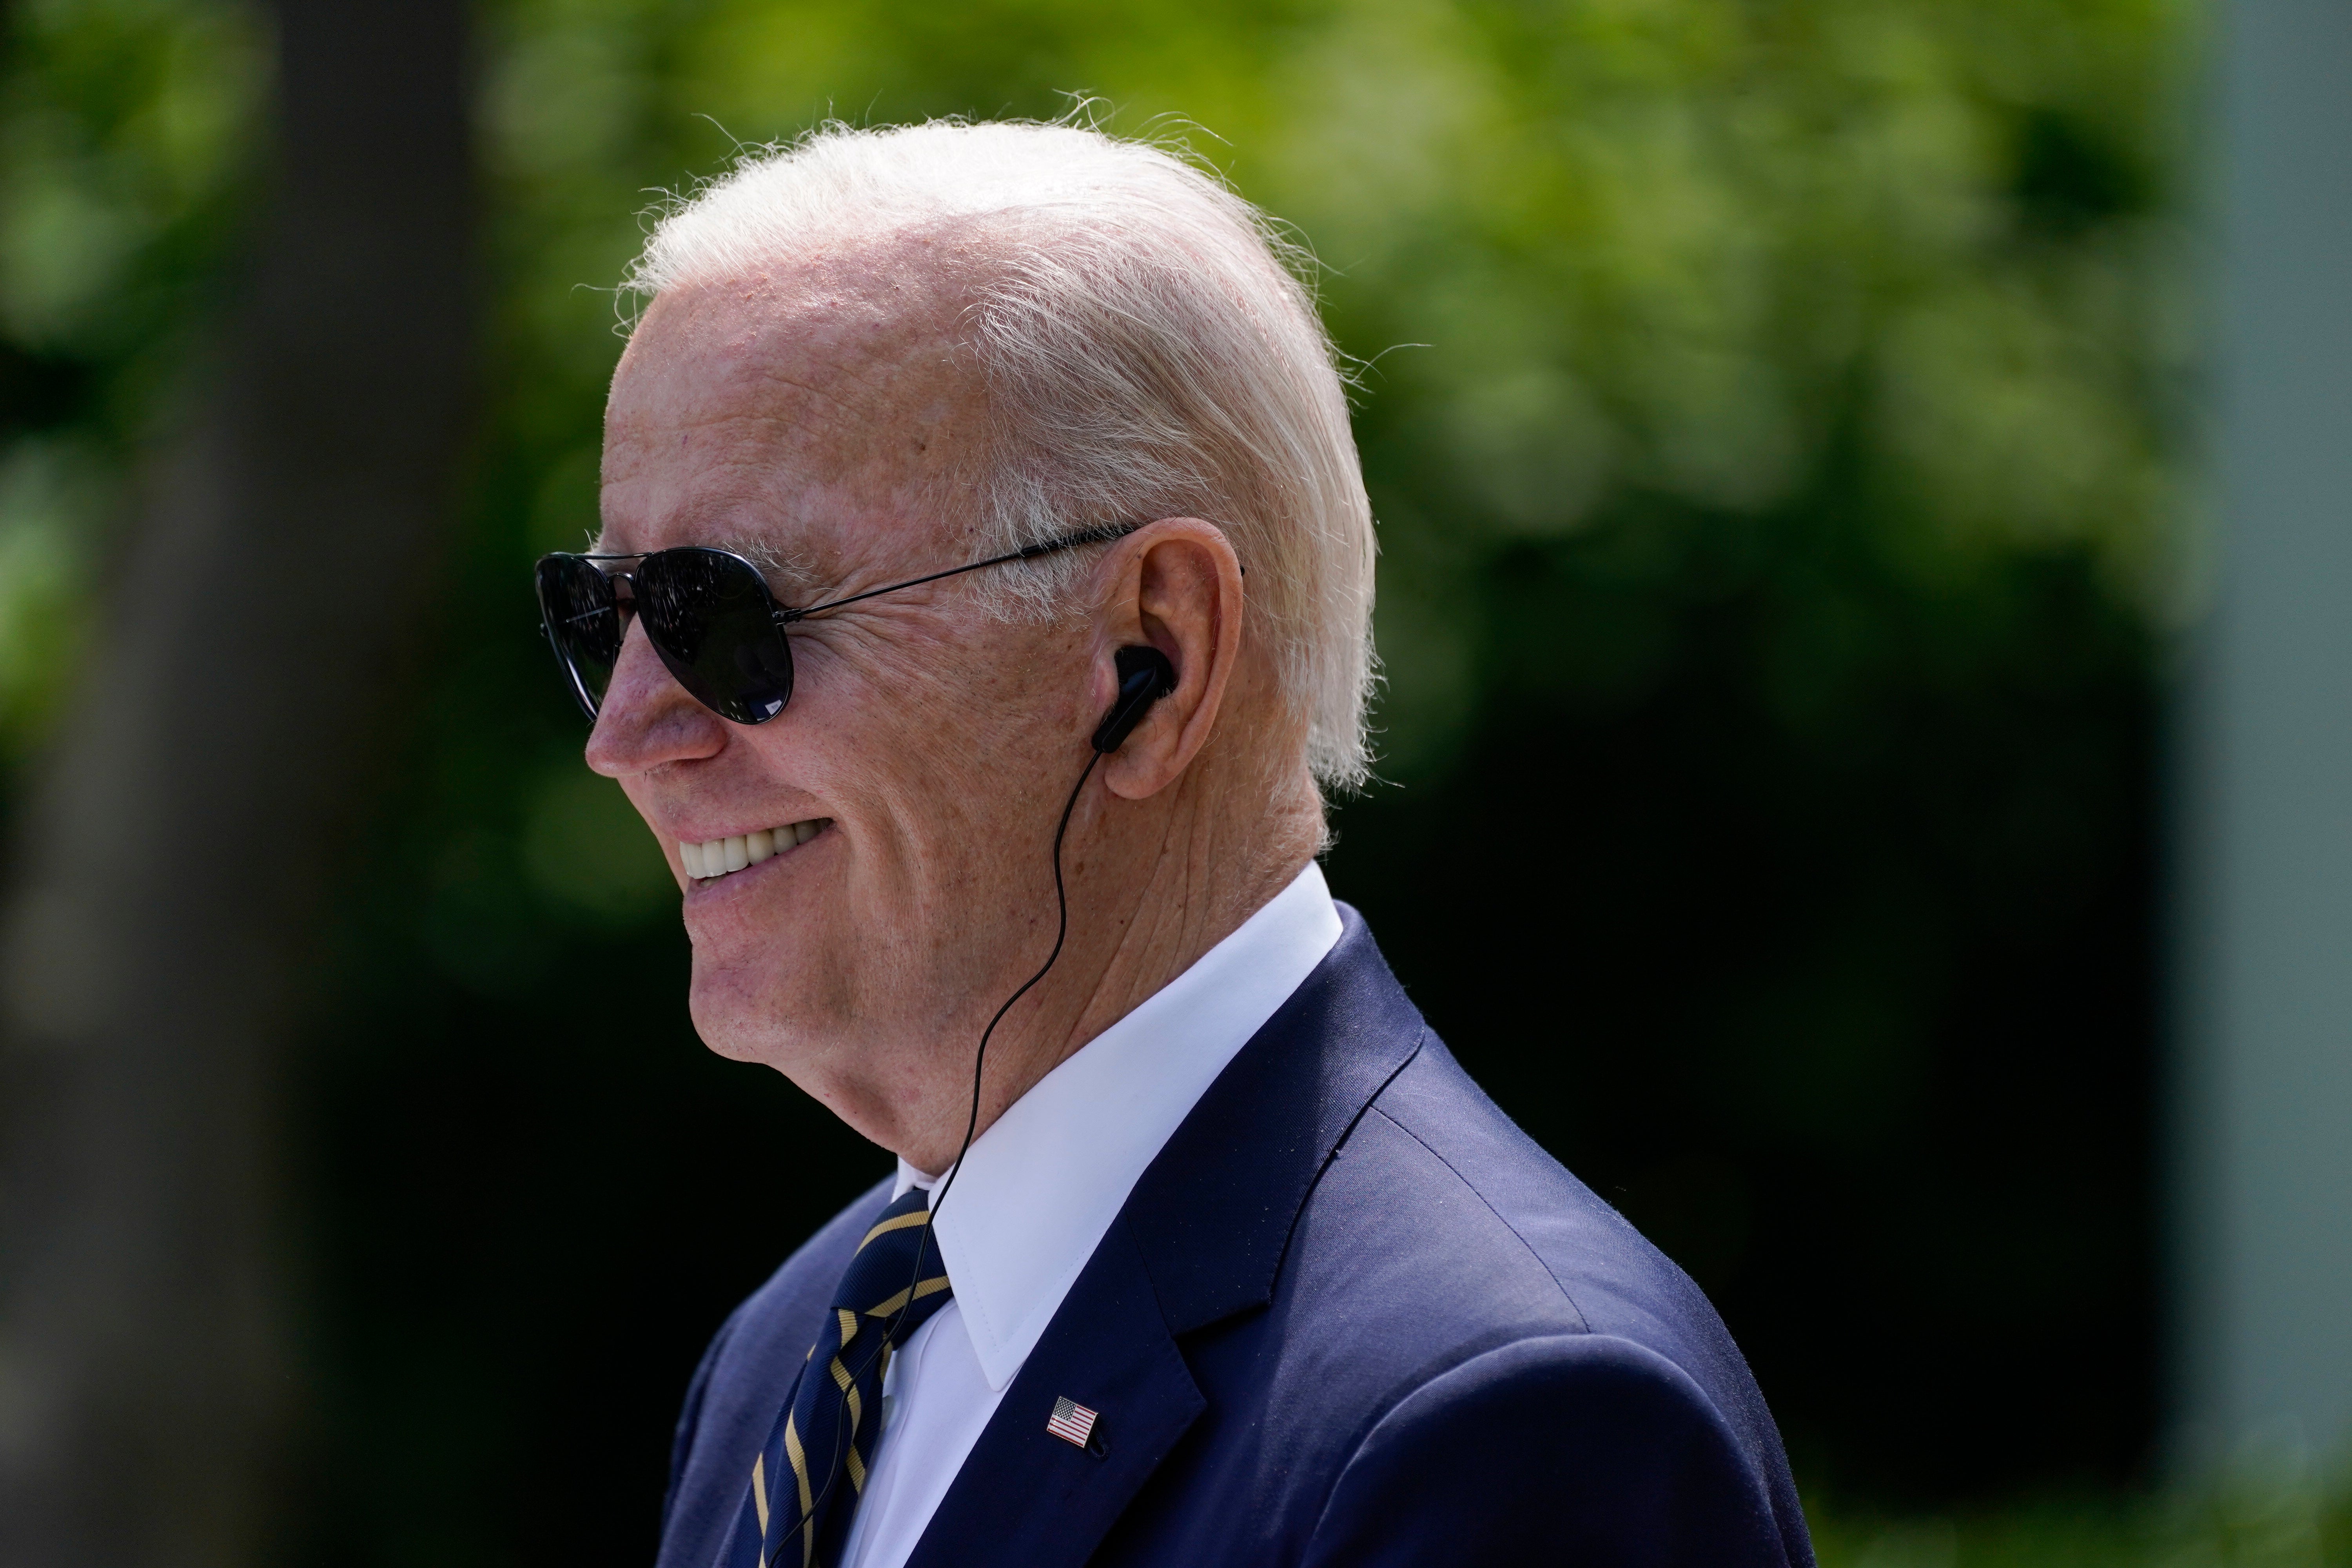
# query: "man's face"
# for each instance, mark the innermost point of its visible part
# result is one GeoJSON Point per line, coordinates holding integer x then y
{"type": "Point", "coordinates": [817, 422]}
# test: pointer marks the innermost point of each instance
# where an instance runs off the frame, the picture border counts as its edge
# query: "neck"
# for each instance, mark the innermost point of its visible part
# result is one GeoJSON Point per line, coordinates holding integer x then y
{"type": "Point", "coordinates": [1153, 884]}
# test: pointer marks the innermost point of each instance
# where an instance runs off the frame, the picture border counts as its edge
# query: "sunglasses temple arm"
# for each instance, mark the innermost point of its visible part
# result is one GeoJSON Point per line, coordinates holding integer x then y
{"type": "Point", "coordinates": [1031, 553]}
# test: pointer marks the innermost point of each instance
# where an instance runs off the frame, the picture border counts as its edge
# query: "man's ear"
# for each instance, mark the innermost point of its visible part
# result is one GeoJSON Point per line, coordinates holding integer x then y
{"type": "Point", "coordinates": [1177, 588]}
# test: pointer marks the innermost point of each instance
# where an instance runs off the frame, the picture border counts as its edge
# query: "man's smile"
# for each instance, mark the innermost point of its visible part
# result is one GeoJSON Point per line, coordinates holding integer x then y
{"type": "Point", "coordinates": [718, 858]}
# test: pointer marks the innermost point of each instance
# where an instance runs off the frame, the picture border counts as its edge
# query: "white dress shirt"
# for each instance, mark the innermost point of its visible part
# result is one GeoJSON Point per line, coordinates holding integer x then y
{"type": "Point", "coordinates": [1040, 1188]}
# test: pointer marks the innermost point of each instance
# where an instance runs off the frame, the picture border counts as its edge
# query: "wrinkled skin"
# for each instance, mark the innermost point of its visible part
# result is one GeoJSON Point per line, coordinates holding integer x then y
{"type": "Point", "coordinates": [823, 419]}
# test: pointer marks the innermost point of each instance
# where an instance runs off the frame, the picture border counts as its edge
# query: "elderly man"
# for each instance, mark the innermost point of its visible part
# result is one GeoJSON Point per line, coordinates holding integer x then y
{"type": "Point", "coordinates": [981, 607]}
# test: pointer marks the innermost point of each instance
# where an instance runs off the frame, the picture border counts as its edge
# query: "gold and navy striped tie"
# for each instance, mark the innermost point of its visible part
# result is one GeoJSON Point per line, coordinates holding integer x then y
{"type": "Point", "coordinates": [811, 1472]}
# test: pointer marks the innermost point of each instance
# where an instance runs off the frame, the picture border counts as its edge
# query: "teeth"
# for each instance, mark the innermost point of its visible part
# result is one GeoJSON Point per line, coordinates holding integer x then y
{"type": "Point", "coordinates": [719, 856]}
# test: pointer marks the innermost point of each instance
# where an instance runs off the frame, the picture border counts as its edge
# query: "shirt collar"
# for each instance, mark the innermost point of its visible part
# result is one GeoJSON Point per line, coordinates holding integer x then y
{"type": "Point", "coordinates": [1042, 1185]}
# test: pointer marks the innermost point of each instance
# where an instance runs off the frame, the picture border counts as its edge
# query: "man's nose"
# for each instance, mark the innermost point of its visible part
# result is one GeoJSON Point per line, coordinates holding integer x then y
{"type": "Point", "coordinates": [647, 719]}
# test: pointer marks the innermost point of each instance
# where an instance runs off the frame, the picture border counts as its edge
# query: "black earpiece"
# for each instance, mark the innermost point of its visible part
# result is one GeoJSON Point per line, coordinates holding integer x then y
{"type": "Point", "coordinates": [1145, 677]}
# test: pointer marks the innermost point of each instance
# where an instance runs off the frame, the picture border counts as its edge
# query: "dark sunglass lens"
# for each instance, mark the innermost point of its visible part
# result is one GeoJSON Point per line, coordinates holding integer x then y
{"type": "Point", "coordinates": [711, 618]}
{"type": "Point", "coordinates": [584, 624]}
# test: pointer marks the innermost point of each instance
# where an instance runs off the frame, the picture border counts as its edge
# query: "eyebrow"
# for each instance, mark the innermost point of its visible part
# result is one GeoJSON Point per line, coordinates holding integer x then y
{"type": "Point", "coordinates": [788, 573]}
{"type": "Point", "coordinates": [784, 570]}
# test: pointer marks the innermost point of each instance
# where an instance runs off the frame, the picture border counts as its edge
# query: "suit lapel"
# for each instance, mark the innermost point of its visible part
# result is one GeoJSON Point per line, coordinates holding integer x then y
{"type": "Point", "coordinates": [1027, 1497]}
{"type": "Point", "coordinates": [1212, 1214]}
{"type": "Point", "coordinates": [1199, 1239]}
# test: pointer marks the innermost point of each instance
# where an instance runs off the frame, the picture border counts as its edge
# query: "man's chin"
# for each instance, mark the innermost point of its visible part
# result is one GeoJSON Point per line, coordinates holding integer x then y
{"type": "Point", "coordinates": [742, 1012]}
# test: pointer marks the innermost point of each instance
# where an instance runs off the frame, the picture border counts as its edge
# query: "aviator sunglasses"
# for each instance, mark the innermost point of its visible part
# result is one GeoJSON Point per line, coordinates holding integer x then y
{"type": "Point", "coordinates": [709, 617]}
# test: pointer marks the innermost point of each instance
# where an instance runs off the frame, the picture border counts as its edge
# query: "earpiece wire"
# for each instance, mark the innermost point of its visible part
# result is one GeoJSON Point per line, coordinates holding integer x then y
{"type": "Point", "coordinates": [972, 1125]}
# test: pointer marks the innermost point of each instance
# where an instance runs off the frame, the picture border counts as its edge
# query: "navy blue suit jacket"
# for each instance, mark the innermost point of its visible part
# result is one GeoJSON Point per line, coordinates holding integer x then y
{"type": "Point", "coordinates": [1349, 1315]}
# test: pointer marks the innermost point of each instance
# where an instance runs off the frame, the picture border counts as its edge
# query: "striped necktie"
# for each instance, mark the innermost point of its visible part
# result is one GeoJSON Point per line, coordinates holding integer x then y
{"type": "Point", "coordinates": [808, 1480]}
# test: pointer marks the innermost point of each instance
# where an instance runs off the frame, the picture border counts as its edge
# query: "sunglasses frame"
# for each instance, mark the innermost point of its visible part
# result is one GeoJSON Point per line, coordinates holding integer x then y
{"type": "Point", "coordinates": [779, 616]}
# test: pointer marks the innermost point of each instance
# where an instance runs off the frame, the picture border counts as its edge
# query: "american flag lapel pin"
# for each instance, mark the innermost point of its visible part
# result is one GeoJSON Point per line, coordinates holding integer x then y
{"type": "Point", "coordinates": [1071, 1422]}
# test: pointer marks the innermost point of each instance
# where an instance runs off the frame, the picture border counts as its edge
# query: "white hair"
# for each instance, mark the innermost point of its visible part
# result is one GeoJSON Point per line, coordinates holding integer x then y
{"type": "Point", "coordinates": [1148, 349]}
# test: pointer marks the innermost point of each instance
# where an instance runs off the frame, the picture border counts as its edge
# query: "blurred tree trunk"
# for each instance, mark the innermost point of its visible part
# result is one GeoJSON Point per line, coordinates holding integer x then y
{"type": "Point", "coordinates": [260, 625]}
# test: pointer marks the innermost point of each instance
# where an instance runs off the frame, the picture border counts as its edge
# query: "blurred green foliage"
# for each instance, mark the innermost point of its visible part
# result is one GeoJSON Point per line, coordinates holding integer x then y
{"type": "Point", "coordinates": [1691, 252]}
{"type": "Point", "coordinates": [127, 135]}
{"type": "Point", "coordinates": [1773, 416]}
{"type": "Point", "coordinates": [2278, 1516]}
